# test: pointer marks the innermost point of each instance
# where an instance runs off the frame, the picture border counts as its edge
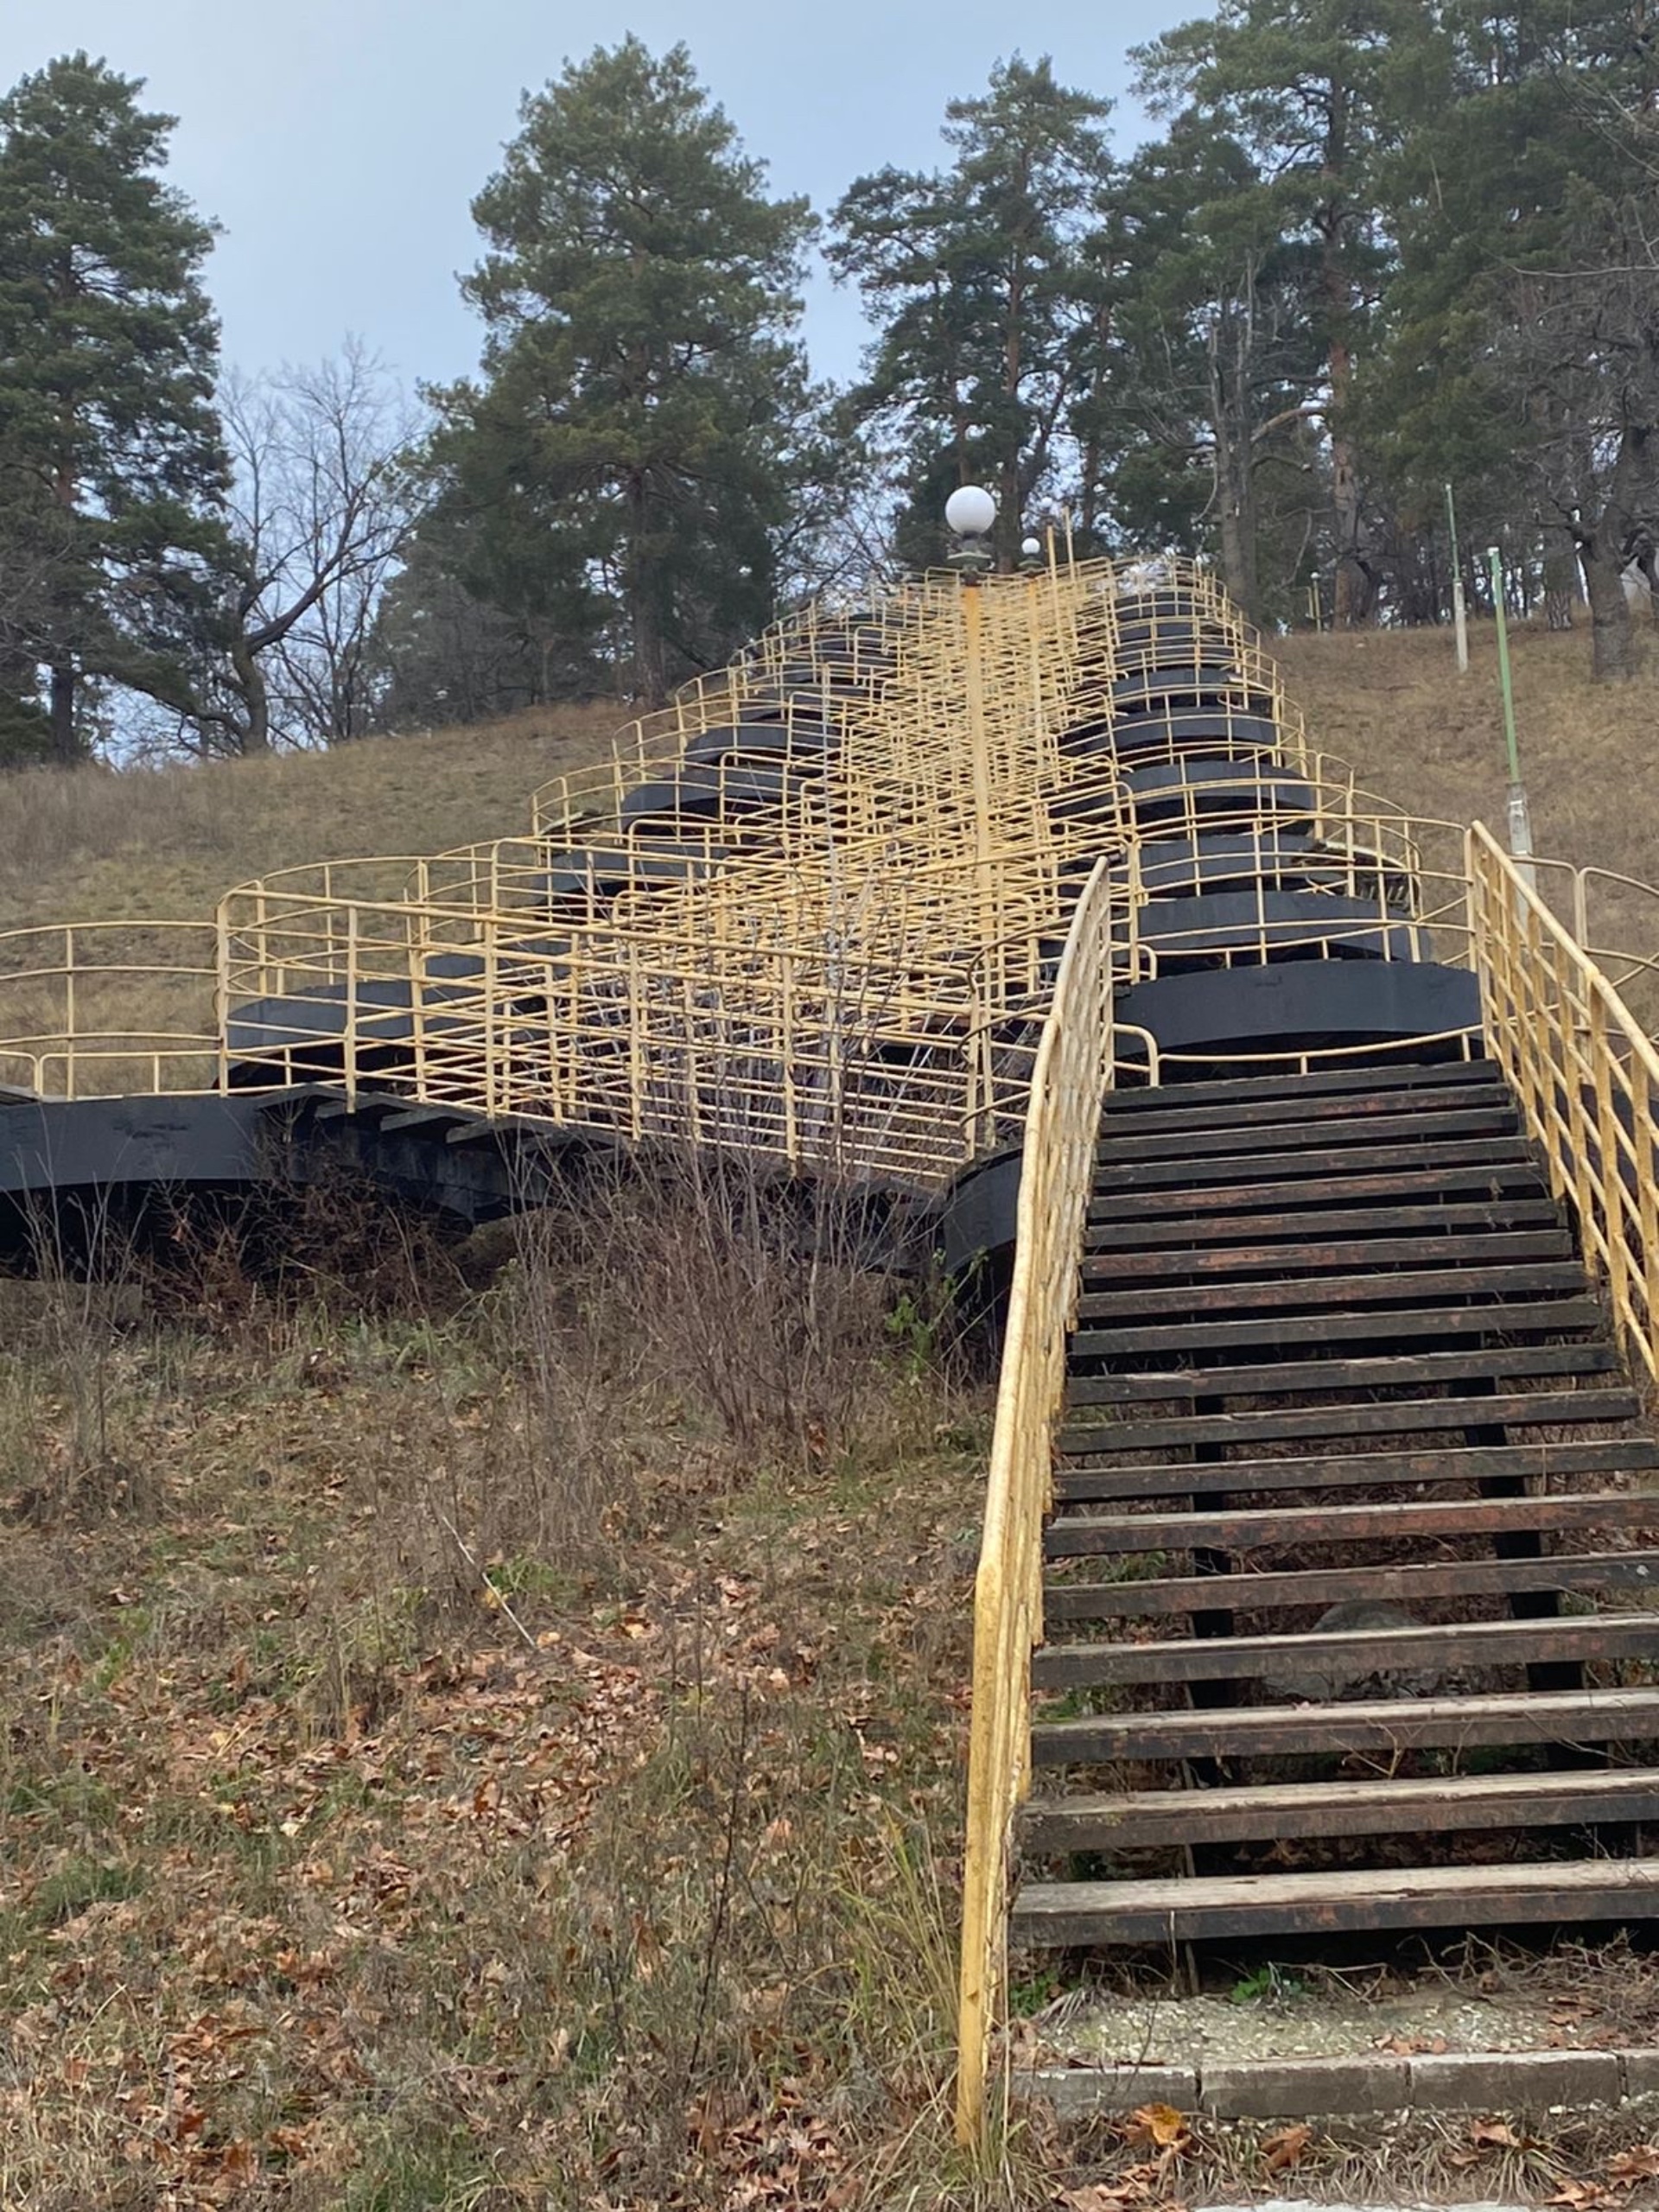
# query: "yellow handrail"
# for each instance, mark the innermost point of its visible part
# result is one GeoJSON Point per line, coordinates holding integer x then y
{"type": "Point", "coordinates": [1074, 1061]}
{"type": "Point", "coordinates": [1586, 1078]}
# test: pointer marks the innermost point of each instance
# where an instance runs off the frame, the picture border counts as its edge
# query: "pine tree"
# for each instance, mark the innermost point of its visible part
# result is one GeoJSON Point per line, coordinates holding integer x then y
{"type": "Point", "coordinates": [111, 460]}
{"type": "Point", "coordinates": [1309, 87]}
{"type": "Point", "coordinates": [629, 449]}
{"type": "Point", "coordinates": [1519, 346]}
{"type": "Point", "coordinates": [1208, 370]}
{"type": "Point", "coordinates": [982, 294]}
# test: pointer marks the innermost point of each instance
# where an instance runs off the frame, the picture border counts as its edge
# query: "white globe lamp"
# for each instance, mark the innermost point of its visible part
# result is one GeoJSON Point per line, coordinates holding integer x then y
{"type": "Point", "coordinates": [969, 511]}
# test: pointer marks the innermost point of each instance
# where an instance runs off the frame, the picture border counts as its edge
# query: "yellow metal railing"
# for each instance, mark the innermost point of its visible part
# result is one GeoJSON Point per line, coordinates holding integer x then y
{"type": "Point", "coordinates": [97, 1007]}
{"type": "Point", "coordinates": [1074, 1062]}
{"type": "Point", "coordinates": [1586, 1075]}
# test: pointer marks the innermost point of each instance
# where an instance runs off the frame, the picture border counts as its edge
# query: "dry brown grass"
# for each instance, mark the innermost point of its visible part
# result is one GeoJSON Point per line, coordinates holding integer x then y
{"type": "Point", "coordinates": [163, 844]}
{"type": "Point", "coordinates": [442, 1764]}
{"type": "Point", "coordinates": [1393, 703]}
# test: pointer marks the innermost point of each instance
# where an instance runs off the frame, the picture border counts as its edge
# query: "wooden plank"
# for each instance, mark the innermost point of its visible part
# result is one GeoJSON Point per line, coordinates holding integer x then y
{"type": "Point", "coordinates": [1210, 1264]}
{"type": "Point", "coordinates": [1386, 1725]}
{"type": "Point", "coordinates": [1134, 1820]}
{"type": "Point", "coordinates": [1184, 1201]}
{"type": "Point", "coordinates": [1380, 1220]}
{"type": "Point", "coordinates": [1431, 1649]}
{"type": "Point", "coordinates": [1515, 1316]}
{"type": "Point", "coordinates": [1418, 1130]}
{"type": "Point", "coordinates": [1065, 1602]}
{"type": "Point", "coordinates": [1363, 1076]}
{"type": "Point", "coordinates": [1523, 1408]}
{"type": "Point", "coordinates": [1222, 1300]}
{"type": "Point", "coordinates": [1072, 1914]}
{"type": "Point", "coordinates": [1391, 1371]}
{"type": "Point", "coordinates": [1304, 1163]}
{"type": "Point", "coordinates": [1307, 1108]}
{"type": "Point", "coordinates": [1090, 1535]}
{"type": "Point", "coordinates": [1465, 1463]}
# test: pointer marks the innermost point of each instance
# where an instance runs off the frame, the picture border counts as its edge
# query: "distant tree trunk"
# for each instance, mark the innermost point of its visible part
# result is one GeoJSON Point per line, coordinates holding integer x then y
{"type": "Point", "coordinates": [66, 751]}
{"type": "Point", "coordinates": [1559, 581]}
{"type": "Point", "coordinates": [255, 695]}
{"type": "Point", "coordinates": [1231, 344]}
{"type": "Point", "coordinates": [1601, 557]}
{"type": "Point", "coordinates": [650, 660]}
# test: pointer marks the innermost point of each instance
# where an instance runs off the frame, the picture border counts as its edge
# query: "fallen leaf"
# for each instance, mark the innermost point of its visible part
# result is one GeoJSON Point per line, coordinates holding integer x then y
{"type": "Point", "coordinates": [1494, 2134]}
{"type": "Point", "coordinates": [1161, 2123]}
{"type": "Point", "coordinates": [1286, 2148]}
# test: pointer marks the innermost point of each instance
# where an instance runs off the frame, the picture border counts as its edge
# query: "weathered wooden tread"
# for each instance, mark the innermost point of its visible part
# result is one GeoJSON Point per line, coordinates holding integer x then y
{"type": "Point", "coordinates": [1238, 1140]}
{"type": "Point", "coordinates": [1397, 1417]}
{"type": "Point", "coordinates": [1156, 1597]}
{"type": "Point", "coordinates": [1207, 1263]}
{"type": "Point", "coordinates": [1308, 1110]}
{"type": "Point", "coordinates": [1388, 1725]}
{"type": "Point", "coordinates": [1389, 1372]}
{"type": "Point", "coordinates": [1375, 1289]}
{"type": "Point", "coordinates": [1304, 1163]}
{"type": "Point", "coordinates": [1308, 1200]}
{"type": "Point", "coordinates": [1460, 1462]}
{"type": "Point", "coordinates": [1529, 1316]}
{"type": "Point", "coordinates": [1361, 1651]}
{"type": "Point", "coordinates": [1380, 1220]}
{"type": "Point", "coordinates": [1155, 1819]}
{"type": "Point", "coordinates": [1356, 1076]}
{"type": "Point", "coordinates": [1067, 1914]}
{"type": "Point", "coordinates": [1088, 1536]}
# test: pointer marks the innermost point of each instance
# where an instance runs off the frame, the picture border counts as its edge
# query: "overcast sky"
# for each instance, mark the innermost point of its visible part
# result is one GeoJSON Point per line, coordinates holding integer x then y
{"type": "Point", "coordinates": [339, 143]}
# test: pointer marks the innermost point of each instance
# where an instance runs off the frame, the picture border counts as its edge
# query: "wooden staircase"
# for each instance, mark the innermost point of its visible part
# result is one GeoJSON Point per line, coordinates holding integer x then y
{"type": "Point", "coordinates": [1353, 1534]}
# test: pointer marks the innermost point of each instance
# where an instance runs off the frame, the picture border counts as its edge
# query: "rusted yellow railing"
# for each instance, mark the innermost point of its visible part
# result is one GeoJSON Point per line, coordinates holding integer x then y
{"type": "Point", "coordinates": [1586, 1075]}
{"type": "Point", "coordinates": [1074, 1062]}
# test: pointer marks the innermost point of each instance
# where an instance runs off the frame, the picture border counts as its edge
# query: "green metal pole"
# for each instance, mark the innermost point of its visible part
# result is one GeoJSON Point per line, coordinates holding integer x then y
{"type": "Point", "coordinates": [1504, 677]}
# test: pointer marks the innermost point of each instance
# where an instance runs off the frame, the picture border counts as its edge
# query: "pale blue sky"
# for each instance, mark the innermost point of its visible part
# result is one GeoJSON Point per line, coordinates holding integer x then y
{"type": "Point", "coordinates": [339, 142]}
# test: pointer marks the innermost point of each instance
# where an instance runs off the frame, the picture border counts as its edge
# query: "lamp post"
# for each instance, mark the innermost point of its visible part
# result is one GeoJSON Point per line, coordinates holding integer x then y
{"type": "Point", "coordinates": [1520, 814]}
{"type": "Point", "coordinates": [968, 513]}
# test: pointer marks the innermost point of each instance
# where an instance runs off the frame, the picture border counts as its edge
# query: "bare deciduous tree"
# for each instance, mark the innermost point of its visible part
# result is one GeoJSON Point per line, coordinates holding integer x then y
{"type": "Point", "coordinates": [322, 510]}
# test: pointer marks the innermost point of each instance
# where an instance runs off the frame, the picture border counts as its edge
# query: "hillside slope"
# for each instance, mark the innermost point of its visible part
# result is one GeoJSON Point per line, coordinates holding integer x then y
{"type": "Point", "coordinates": [96, 846]}
{"type": "Point", "coordinates": [1393, 703]}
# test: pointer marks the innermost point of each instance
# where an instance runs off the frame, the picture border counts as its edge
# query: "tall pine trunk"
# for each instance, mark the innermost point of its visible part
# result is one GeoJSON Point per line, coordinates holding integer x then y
{"type": "Point", "coordinates": [66, 750]}
{"type": "Point", "coordinates": [649, 655]}
{"type": "Point", "coordinates": [1601, 557]}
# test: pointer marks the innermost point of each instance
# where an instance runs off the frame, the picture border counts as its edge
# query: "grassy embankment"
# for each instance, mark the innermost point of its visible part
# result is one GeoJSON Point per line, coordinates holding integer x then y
{"type": "Point", "coordinates": [498, 1747]}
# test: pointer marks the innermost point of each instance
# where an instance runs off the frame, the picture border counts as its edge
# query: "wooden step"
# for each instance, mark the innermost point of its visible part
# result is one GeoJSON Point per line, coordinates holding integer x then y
{"type": "Point", "coordinates": [1348, 1652]}
{"type": "Point", "coordinates": [1157, 1819]}
{"type": "Point", "coordinates": [1090, 1536]}
{"type": "Point", "coordinates": [1465, 1463]}
{"type": "Point", "coordinates": [1521, 1409]}
{"type": "Point", "coordinates": [1222, 1300]}
{"type": "Point", "coordinates": [1353, 1075]}
{"type": "Point", "coordinates": [1527, 1316]}
{"type": "Point", "coordinates": [1303, 1163]}
{"type": "Point", "coordinates": [1385, 1725]}
{"type": "Point", "coordinates": [1418, 1130]}
{"type": "Point", "coordinates": [1379, 1221]}
{"type": "Point", "coordinates": [1209, 1264]}
{"type": "Point", "coordinates": [1156, 1598]}
{"type": "Point", "coordinates": [1307, 1109]}
{"type": "Point", "coordinates": [1301, 1198]}
{"type": "Point", "coordinates": [1069, 1914]}
{"type": "Point", "coordinates": [1283, 1378]}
